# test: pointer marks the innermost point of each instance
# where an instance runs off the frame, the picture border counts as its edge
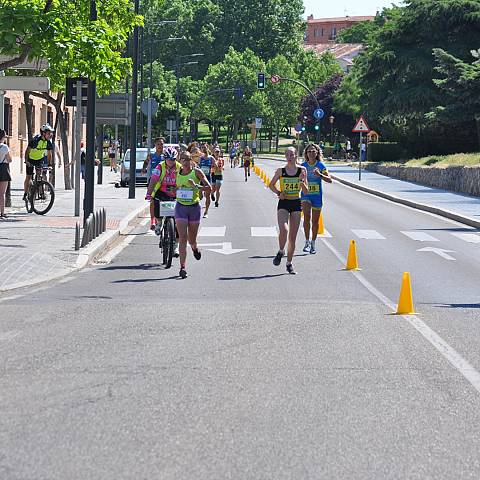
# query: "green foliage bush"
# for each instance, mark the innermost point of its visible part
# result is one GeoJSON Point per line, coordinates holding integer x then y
{"type": "Point", "coordinates": [384, 152]}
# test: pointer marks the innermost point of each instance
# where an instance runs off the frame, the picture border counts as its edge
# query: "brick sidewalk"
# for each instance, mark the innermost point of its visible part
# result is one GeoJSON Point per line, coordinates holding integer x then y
{"type": "Point", "coordinates": [34, 248]}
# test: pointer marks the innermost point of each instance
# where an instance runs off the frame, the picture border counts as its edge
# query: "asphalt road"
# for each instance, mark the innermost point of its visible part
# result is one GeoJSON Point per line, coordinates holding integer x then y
{"type": "Point", "coordinates": [243, 372]}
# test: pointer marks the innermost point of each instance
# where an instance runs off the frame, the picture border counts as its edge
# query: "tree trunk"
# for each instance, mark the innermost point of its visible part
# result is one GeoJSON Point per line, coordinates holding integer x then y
{"type": "Point", "coordinates": [277, 135]}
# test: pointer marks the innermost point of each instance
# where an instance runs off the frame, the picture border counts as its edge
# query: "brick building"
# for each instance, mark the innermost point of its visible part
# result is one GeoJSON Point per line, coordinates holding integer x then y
{"type": "Point", "coordinates": [325, 30]}
{"type": "Point", "coordinates": [15, 122]}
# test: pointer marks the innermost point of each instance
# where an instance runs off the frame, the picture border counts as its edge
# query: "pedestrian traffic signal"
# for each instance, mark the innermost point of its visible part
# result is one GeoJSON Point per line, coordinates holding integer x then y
{"type": "Point", "coordinates": [303, 128]}
{"type": "Point", "coordinates": [261, 81]}
{"type": "Point", "coordinates": [317, 127]}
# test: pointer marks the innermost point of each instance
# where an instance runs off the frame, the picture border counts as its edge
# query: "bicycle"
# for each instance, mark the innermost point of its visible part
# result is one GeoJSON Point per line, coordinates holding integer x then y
{"type": "Point", "coordinates": [167, 232]}
{"type": "Point", "coordinates": [41, 194]}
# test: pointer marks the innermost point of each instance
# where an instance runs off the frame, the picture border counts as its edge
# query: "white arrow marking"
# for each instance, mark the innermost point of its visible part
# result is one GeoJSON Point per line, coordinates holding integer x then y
{"type": "Point", "coordinates": [439, 251]}
{"type": "Point", "coordinates": [227, 249]}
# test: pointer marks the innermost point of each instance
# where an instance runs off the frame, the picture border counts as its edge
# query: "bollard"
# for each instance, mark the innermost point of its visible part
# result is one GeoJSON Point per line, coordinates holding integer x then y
{"type": "Point", "coordinates": [77, 236]}
{"type": "Point", "coordinates": [97, 224]}
{"type": "Point", "coordinates": [104, 220]}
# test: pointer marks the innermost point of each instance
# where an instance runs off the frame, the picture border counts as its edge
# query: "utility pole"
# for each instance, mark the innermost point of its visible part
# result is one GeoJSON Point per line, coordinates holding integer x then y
{"type": "Point", "coordinates": [133, 133]}
{"type": "Point", "coordinates": [88, 201]}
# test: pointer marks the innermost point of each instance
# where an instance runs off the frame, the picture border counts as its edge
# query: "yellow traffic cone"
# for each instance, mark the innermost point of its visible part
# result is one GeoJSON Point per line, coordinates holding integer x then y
{"type": "Point", "coordinates": [352, 260]}
{"type": "Point", "coordinates": [267, 181]}
{"type": "Point", "coordinates": [405, 301]}
{"type": "Point", "coordinates": [321, 226]}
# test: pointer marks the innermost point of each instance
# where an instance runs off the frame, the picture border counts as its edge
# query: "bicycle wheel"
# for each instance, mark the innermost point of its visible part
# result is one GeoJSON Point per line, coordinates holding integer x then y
{"type": "Point", "coordinates": [168, 242]}
{"type": "Point", "coordinates": [43, 196]}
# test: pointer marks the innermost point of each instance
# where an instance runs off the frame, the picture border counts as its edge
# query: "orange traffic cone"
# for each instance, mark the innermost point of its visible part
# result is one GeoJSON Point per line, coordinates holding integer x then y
{"type": "Point", "coordinates": [352, 260]}
{"type": "Point", "coordinates": [405, 301]}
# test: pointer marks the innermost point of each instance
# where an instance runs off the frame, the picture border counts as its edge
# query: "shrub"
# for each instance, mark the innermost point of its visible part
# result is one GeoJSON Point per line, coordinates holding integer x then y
{"type": "Point", "coordinates": [384, 152]}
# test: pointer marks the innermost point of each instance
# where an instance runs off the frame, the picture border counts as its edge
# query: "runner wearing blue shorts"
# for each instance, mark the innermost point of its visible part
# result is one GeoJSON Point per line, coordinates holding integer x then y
{"type": "Point", "coordinates": [313, 202]}
{"type": "Point", "coordinates": [206, 164]}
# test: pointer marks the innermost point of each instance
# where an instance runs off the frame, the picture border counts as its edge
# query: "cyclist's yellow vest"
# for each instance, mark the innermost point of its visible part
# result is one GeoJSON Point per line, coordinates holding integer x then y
{"type": "Point", "coordinates": [290, 185]}
{"type": "Point", "coordinates": [186, 194]}
{"type": "Point", "coordinates": [38, 152]}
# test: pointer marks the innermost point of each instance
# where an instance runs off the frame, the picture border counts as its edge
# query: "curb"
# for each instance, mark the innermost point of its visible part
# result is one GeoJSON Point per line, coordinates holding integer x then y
{"type": "Point", "coordinates": [419, 206]}
{"type": "Point", "coordinates": [85, 256]}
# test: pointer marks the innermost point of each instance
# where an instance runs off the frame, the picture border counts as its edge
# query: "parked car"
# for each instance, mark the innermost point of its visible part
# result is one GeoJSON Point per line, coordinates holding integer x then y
{"type": "Point", "coordinates": [141, 157]}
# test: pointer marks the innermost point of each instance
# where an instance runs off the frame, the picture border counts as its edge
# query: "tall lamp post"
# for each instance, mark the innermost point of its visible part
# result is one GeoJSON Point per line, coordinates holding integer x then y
{"type": "Point", "coordinates": [177, 91]}
{"type": "Point", "coordinates": [332, 119]}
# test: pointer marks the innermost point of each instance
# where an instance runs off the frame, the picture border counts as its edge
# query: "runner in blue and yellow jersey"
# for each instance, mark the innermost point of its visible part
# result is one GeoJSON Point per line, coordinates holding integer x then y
{"type": "Point", "coordinates": [312, 202]}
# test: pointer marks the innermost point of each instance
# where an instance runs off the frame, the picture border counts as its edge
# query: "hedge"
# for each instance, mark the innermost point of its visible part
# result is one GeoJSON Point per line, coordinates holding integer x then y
{"type": "Point", "coordinates": [384, 152]}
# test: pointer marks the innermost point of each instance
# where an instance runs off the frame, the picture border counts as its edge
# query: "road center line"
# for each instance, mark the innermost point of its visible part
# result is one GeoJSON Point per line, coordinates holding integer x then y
{"type": "Point", "coordinates": [453, 357]}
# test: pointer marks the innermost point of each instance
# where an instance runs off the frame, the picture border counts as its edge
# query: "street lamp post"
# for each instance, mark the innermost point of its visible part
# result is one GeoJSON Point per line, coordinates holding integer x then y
{"type": "Point", "coordinates": [177, 90]}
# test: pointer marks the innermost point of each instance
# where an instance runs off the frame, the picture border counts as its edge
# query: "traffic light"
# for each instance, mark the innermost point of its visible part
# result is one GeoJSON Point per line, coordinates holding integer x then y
{"type": "Point", "coordinates": [303, 128]}
{"type": "Point", "coordinates": [317, 127]}
{"type": "Point", "coordinates": [261, 81]}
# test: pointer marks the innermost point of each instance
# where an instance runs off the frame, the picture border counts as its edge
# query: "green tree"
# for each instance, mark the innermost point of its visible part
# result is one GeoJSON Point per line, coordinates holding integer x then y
{"type": "Point", "coordinates": [236, 69]}
{"type": "Point", "coordinates": [313, 70]}
{"type": "Point", "coordinates": [397, 70]}
{"type": "Point", "coordinates": [61, 32]}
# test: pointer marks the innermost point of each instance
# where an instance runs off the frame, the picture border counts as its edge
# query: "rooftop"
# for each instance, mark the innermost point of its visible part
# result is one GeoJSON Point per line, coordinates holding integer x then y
{"type": "Point", "coordinates": [341, 19]}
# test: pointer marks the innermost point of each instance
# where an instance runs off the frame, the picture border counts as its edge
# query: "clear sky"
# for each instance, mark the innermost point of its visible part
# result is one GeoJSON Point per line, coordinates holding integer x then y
{"type": "Point", "coordinates": [329, 8]}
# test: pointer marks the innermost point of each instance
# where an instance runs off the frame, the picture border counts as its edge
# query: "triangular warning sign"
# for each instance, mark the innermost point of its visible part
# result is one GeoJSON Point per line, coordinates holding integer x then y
{"type": "Point", "coordinates": [361, 126]}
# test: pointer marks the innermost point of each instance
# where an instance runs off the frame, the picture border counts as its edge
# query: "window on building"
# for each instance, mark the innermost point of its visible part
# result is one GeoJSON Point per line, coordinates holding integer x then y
{"type": "Point", "coordinates": [34, 125]}
{"type": "Point", "coordinates": [49, 116]}
{"type": "Point", "coordinates": [8, 117]}
{"type": "Point", "coordinates": [22, 122]}
{"type": "Point", "coordinates": [321, 32]}
{"type": "Point", "coordinates": [334, 33]}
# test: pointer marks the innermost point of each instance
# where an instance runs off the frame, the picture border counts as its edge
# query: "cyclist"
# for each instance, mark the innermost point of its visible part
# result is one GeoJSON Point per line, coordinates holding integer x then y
{"type": "Point", "coordinates": [162, 186]}
{"type": "Point", "coordinates": [149, 165]}
{"type": "Point", "coordinates": [190, 181]}
{"type": "Point", "coordinates": [206, 166]}
{"type": "Point", "coordinates": [247, 161]}
{"type": "Point", "coordinates": [293, 181]}
{"type": "Point", "coordinates": [312, 203]}
{"type": "Point", "coordinates": [35, 152]}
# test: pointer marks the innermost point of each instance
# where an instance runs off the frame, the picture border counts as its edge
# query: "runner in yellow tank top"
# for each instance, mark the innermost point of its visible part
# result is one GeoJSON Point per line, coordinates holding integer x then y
{"type": "Point", "coordinates": [293, 180]}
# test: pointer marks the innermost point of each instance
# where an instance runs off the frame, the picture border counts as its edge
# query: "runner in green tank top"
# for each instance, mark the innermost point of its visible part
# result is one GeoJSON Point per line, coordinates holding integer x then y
{"type": "Point", "coordinates": [190, 181]}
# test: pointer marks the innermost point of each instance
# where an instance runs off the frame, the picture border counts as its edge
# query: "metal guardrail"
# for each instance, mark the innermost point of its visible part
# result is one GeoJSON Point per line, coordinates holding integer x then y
{"type": "Point", "coordinates": [94, 226]}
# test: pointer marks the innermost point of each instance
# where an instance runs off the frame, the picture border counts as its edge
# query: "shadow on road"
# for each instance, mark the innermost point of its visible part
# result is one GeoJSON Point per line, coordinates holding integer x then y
{"type": "Point", "coordinates": [146, 280]}
{"type": "Point", "coordinates": [142, 266]}
{"type": "Point", "coordinates": [259, 277]}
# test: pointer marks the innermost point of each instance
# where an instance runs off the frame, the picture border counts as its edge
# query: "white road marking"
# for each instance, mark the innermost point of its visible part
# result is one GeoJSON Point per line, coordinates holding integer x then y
{"type": "Point", "coordinates": [368, 234]}
{"type": "Point", "coordinates": [227, 249]}
{"type": "Point", "coordinates": [439, 251]}
{"type": "Point", "coordinates": [453, 357]}
{"type": "Point", "coordinates": [467, 237]}
{"type": "Point", "coordinates": [421, 236]}
{"type": "Point", "coordinates": [264, 231]}
{"type": "Point", "coordinates": [11, 297]}
{"type": "Point", "coordinates": [212, 231]}
{"type": "Point", "coordinates": [9, 335]}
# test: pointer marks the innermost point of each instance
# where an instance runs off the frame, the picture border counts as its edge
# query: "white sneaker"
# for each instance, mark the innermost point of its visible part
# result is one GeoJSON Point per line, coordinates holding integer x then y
{"type": "Point", "coordinates": [306, 248]}
{"type": "Point", "coordinates": [176, 253]}
{"type": "Point", "coordinates": [312, 248]}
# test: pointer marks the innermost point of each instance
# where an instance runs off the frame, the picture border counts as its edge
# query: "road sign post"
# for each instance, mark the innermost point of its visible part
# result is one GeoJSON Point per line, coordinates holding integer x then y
{"type": "Point", "coordinates": [149, 108]}
{"type": "Point", "coordinates": [360, 127]}
{"type": "Point", "coordinates": [78, 148]}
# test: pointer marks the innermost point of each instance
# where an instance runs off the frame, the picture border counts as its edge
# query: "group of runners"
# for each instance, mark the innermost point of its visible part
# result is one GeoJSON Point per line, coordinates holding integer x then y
{"type": "Point", "coordinates": [186, 174]}
{"type": "Point", "coordinates": [190, 173]}
{"type": "Point", "coordinates": [243, 158]}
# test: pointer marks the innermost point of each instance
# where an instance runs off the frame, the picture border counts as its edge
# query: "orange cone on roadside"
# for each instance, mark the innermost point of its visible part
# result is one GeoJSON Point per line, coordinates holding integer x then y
{"type": "Point", "coordinates": [405, 301]}
{"type": "Point", "coordinates": [321, 226]}
{"type": "Point", "coordinates": [352, 260]}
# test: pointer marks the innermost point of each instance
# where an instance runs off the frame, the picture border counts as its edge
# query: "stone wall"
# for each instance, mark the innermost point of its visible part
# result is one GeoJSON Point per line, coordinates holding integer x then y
{"type": "Point", "coordinates": [456, 178]}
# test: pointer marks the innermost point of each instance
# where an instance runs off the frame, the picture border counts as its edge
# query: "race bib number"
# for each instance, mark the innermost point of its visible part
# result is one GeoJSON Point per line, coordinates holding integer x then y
{"type": "Point", "coordinates": [167, 209]}
{"type": "Point", "coordinates": [184, 194]}
{"type": "Point", "coordinates": [206, 170]}
{"type": "Point", "coordinates": [314, 188]}
{"type": "Point", "coordinates": [291, 185]}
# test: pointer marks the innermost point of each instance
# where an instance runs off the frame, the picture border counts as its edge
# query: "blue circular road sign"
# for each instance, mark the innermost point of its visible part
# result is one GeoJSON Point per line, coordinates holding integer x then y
{"type": "Point", "coordinates": [318, 113]}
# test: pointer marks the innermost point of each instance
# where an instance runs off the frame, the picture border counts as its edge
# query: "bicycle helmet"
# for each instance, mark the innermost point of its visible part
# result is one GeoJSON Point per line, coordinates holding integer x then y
{"type": "Point", "coordinates": [170, 153]}
{"type": "Point", "coordinates": [46, 128]}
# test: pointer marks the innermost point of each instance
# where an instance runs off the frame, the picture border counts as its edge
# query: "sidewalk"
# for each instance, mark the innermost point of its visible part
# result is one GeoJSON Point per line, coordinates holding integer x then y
{"type": "Point", "coordinates": [36, 248]}
{"type": "Point", "coordinates": [456, 206]}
